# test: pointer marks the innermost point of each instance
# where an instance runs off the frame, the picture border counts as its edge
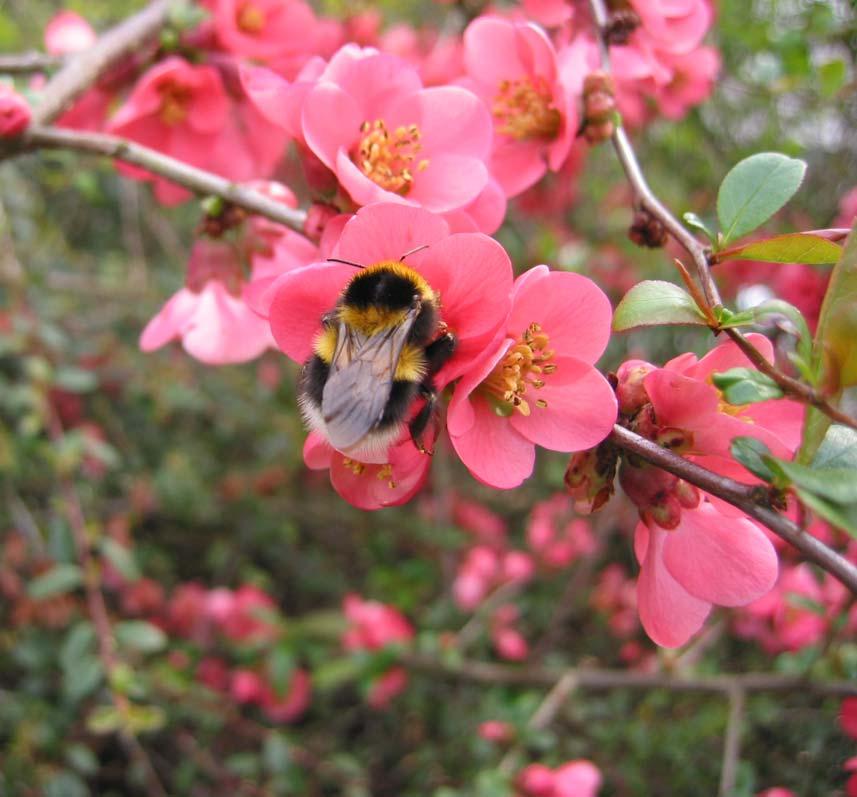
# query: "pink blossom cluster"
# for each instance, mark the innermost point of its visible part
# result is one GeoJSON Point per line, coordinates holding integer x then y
{"type": "Point", "coordinates": [695, 551]}
{"type": "Point", "coordinates": [848, 723]}
{"type": "Point", "coordinates": [373, 626]}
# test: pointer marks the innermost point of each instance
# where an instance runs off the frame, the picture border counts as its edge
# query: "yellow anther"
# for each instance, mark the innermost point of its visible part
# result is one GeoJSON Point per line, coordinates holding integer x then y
{"type": "Point", "coordinates": [523, 110]}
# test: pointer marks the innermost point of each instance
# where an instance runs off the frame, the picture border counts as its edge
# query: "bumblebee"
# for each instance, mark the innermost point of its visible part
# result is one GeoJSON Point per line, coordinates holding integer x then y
{"type": "Point", "coordinates": [376, 356]}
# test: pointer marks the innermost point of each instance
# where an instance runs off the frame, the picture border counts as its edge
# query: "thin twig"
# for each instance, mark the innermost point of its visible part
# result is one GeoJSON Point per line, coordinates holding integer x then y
{"type": "Point", "coordinates": [197, 180]}
{"type": "Point", "coordinates": [732, 742]}
{"type": "Point", "coordinates": [27, 63]}
{"type": "Point", "coordinates": [97, 609]}
{"type": "Point", "coordinates": [744, 496]}
{"type": "Point", "coordinates": [84, 69]}
{"type": "Point", "coordinates": [595, 679]}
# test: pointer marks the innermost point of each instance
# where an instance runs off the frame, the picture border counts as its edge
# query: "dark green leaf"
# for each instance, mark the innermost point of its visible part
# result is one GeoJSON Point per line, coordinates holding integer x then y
{"type": "Point", "coordinates": [838, 449]}
{"type": "Point", "coordinates": [843, 516]}
{"type": "Point", "coordinates": [746, 386]}
{"type": "Point", "coordinates": [654, 302]}
{"type": "Point", "coordinates": [754, 190]}
{"type": "Point", "coordinates": [834, 484]}
{"type": "Point", "coordinates": [58, 580]}
{"type": "Point", "coordinates": [754, 455]}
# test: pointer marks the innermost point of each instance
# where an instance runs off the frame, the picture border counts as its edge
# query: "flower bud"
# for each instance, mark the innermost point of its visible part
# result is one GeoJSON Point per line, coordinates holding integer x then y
{"type": "Point", "coordinates": [14, 112]}
{"type": "Point", "coordinates": [317, 217]}
{"type": "Point", "coordinates": [620, 25]}
{"type": "Point", "coordinates": [630, 390]}
{"type": "Point", "coordinates": [589, 477]}
{"type": "Point", "coordinates": [646, 230]}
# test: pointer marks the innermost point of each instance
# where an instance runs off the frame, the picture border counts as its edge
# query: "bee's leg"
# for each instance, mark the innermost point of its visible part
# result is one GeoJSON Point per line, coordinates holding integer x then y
{"type": "Point", "coordinates": [427, 413]}
{"type": "Point", "coordinates": [438, 352]}
{"type": "Point", "coordinates": [330, 318]}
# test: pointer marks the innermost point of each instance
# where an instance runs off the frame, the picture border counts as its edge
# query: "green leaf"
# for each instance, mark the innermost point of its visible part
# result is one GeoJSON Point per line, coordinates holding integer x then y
{"type": "Point", "coordinates": [58, 580]}
{"type": "Point", "coordinates": [795, 247]}
{"type": "Point", "coordinates": [121, 558]}
{"type": "Point", "coordinates": [654, 302]}
{"type": "Point", "coordinates": [754, 455]}
{"type": "Point", "coordinates": [82, 677]}
{"type": "Point", "coordinates": [140, 636]}
{"type": "Point", "coordinates": [832, 77]}
{"type": "Point", "coordinates": [843, 516]}
{"type": "Point", "coordinates": [754, 190]}
{"type": "Point", "coordinates": [145, 719]}
{"type": "Point", "coordinates": [838, 449]}
{"type": "Point", "coordinates": [746, 386]}
{"type": "Point", "coordinates": [66, 784]}
{"type": "Point", "coordinates": [834, 484]}
{"type": "Point", "coordinates": [692, 220]}
{"type": "Point", "coordinates": [104, 719]}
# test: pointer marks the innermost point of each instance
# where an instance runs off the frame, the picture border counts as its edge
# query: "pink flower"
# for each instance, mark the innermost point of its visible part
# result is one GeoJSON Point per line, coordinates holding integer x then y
{"type": "Point", "coordinates": [373, 626]}
{"type": "Point", "coordinates": [847, 208]}
{"type": "Point", "coordinates": [675, 26]}
{"type": "Point", "coordinates": [210, 315]}
{"type": "Point", "coordinates": [776, 791]}
{"type": "Point", "coordinates": [370, 485]}
{"type": "Point", "coordinates": [616, 596]}
{"type": "Point", "coordinates": [282, 33]}
{"type": "Point", "coordinates": [550, 13]}
{"type": "Point", "coordinates": [186, 611]}
{"type": "Point", "coordinates": [576, 779]}
{"type": "Point", "coordinates": [708, 558]}
{"type": "Point", "coordinates": [692, 81]}
{"type": "Point", "coordinates": [184, 111]}
{"type": "Point", "coordinates": [536, 780]}
{"type": "Point", "coordinates": [67, 33]}
{"type": "Point", "coordinates": [486, 526]}
{"type": "Point", "coordinates": [496, 731]}
{"type": "Point", "coordinates": [848, 716]}
{"type": "Point", "coordinates": [290, 704]}
{"type": "Point", "coordinates": [244, 615]}
{"type": "Point", "coordinates": [555, 536]}
{"type": "Point", "coordinates": [386, 138]}
{"type": "Point", "coordinates": [513, 67]}
{"type": "Point", "coordinates": [537, 386]}
{"type": "Point", "coordinates": [14, 112]}
{"type": "Point", "coordinates": [508, 641]}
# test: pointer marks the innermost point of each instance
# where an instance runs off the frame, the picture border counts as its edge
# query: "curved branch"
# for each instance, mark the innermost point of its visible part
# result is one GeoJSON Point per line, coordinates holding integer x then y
{"type": "Point", "coordinates": [744, 496]}
{"type": "Point", "coordinates": [196, 180]}
{"type": "Point", "coordinates": [647, 200]}
{"type": "Point", "coordinates": [81, 71]}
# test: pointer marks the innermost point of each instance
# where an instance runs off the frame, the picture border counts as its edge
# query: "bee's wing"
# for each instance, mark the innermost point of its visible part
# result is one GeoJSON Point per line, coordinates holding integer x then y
{"type": "Point", "coordinates": [360, 380]}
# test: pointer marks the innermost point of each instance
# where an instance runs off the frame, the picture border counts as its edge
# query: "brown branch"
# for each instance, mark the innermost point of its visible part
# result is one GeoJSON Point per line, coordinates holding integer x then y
{"type": "Point", "coordinates": [197, 180]}
{"type": "Point", "coordinates": [596, 679]}
{"type": "Point", "coordinates": [27, 63]}
{"type": "Point", "coordinates": [746, 497]}
{"type": "Point", "coordinates": [97, 609]}
{"type": "Point", "coordinates": [732, 742]}
{"type": "Point", "coordinates": [82, 70]}
{"type": "Point", "coordinates": [794, 388]}
{"type": "Point", "coordinates": [699, 254]}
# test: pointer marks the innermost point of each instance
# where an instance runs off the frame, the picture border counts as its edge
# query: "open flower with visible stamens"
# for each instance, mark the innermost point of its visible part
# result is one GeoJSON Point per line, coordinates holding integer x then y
{"type": "Point", "coordinates": [370, 121]}
{"type": "Point", "coordinates": [537, 386]}
{"type": "Point", "coordinates": [513, 67]}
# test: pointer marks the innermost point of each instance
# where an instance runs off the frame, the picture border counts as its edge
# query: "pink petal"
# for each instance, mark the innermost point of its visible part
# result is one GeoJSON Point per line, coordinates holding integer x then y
{"type": "Point", "coordinates": [170, 320]}
{"type": "Point", "coordinates": [374, 82]}
{"type": "Point", "coordinates": [387, 231]}
{"type": "Point", "coordinates": [570, 308]}
{"type": "Point", "coordinates": [492, 450]}
{"type": "Point", "coordinates": [460, 415]}
{"type": "Point", "coordinates": [270, 94]}
{"type": "Point", "coordinates": [449, 182]}
{"type": "Point", "coordinates": [580, 413]}
{"type": "Point", "coordinates": [493, 51]}
{"type": "Point", "coordinates": [359, 187]}
{"type": "Point", "coordinates": [727, 561]}
{"type": "Point", "coordinates": [680, 401]}
{"type": "Point", "coordinates": [452, 121]}
{"type": "Point", "coordinates": [224, 330]}
{"type": "Point", "coordinates": [330, 121]}
{"type": "Point", "coordinates": [302, 297]}
{"type": "Point", "coordinates": [317, 452]}
{"type": "Point", "coordinates": [668, 612]}
{"type": "Point", "coordinates": [483, 214]}
{"type": "Point", "coordinates": [518, 165]}
{"type": "Point", "coordinates": [727, 355]}
{"type": "Point", "coordinates": [473, 275]}
{"type": "Point", "coordinates": [577, 779]}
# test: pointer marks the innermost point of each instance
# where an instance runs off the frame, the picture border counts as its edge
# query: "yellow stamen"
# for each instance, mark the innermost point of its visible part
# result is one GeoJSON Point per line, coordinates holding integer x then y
{"type": "Point", "coordinates": [353, 465]}
{"type": "Point", "coordinates": [386, 474]}
{"type": "Point", "coordinates": [174, 102]}
{"type": "Point", "coordinates": [523, 110]}
{"type": "Point", "coordinates": [250, 18]}
{"type": "Point", "coordinates": [388, 158]}
{"type": "Point", "coordinates": [526, 364]}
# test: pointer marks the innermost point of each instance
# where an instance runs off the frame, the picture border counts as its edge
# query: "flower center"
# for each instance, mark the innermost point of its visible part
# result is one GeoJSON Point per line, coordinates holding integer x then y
{"type": "Point", "coordinates": [523, 110]}
{"type": "Point", "coordinates": [250, 18]}
{"type": "Point", "coordinates": [174, 102]}
{"type": "Point", "coordinates": [525, 365]}
{"type": "Point", "coordinates": [353, 465]}
{"type": "Point", "coordinates": [387, 157]}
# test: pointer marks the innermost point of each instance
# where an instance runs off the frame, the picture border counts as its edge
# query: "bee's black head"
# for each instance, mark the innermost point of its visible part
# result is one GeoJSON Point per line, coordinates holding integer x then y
{"type": "Point", "coordinates": [389, 285]}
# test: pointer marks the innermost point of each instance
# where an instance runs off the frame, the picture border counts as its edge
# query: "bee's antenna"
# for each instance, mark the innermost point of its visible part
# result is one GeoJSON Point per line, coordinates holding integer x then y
{"type": "Point", "coordinates": [413, 251]}
{"type": "Point", "coordinates": [346, 262]}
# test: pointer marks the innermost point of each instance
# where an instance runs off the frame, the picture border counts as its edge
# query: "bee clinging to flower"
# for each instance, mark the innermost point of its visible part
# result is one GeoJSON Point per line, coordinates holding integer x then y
{"type": "Point", "coordinates": [375, 358]}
